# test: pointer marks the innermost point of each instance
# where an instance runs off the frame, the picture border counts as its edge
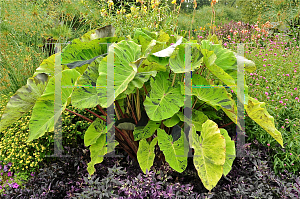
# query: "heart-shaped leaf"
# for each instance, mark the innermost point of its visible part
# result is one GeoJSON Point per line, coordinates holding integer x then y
{"type": "Point", "coordinates": [209, 157]}
{"type": "Point", "coordinates": [97, 150]}
{"type": "Point", "coordinates": [142, 132]}
{"type": "Point", "coordinates": [125, 52]}
{"type": "Point", "coordinates": [174, 152]}
{"type": "Point", "coordinates": [47, 66]}
{"type": "Point", "coordinates": [177, 60]}
{"type": "Point", "coordinates": [215, 96]}
{"type": "Point", "coordinates": [145, 154]}
{"type": "Point", "coordinates": [95, 130]}
{"type": "Point", "coordinates": [79, 53]}
{"type": "Point", "coordinates": [42, 119]}
{"type": "Point", "coordinates": [23, 100]}
{"type": "Point", "coordinates": [164, 100]}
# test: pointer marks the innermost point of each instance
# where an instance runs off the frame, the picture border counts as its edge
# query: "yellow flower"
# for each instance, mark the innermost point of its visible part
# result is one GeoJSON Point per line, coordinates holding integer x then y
{"type": "Point", "coordinates": [153, 6]}
{"type": "Point", "coordinates": [110, 3]}
{"type": "Point", "coordinates": [173, 2]}
{"type": "Point", "coordinates": [132, 9]}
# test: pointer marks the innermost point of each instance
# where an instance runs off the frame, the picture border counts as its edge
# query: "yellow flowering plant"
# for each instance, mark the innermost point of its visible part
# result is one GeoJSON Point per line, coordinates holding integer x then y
{"type": "Point", "coordinates": [27, 157]}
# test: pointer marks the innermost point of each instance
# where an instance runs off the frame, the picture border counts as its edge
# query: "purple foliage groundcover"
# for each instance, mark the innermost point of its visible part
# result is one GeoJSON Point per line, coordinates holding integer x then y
{"type": "Point", "coordinates": [250, 176]}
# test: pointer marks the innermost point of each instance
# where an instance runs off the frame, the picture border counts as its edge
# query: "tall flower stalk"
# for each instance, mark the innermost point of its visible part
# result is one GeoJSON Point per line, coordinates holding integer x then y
{"type": "Point", "coordinates": [213, 2]}
{"type": "Point", "coordinates": [195, 6]}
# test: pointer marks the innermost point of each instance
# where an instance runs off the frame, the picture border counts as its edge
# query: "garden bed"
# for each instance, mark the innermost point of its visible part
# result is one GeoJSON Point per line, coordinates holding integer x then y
{"type": "Point", "coordinates": [250, 177]}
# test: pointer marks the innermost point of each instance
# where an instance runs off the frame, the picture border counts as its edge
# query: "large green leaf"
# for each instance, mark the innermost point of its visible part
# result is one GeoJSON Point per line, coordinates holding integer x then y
{"type": "Point", "coordinates": [257, 111]}
{"type": "Point", "coordinates": [183, 87]}
{"type": "Point", "coordinates": [209, 59]}
{"type": "Point", "coordinates": [225, 61]}
{"type": "Point", "coordinates": [145, 154]}
{"type": "Point", "coordinates": [216, 97]}
{"type": "Point", "coordinates": [23, 100]}
{"type": "Point", "coordinates": [164, 100]}
{"type": "Point", "coordinates": [225, 58]}
{"type": "Point", "coordinates": [161, 41]}
{"type": "Point", "coordinates": [162, 57]}
{"type": "Point", "coordinates": [161, 61]}
{"type": "Point", "coordinates": [230, 152]}
{"type": "Point", "coordinates": [42, 119]}
{"type": "Point", "coordinates": [177, 60]}
{"type": "Point", "coordinates": [147, 66]}
{"type": "Point", "coordinates": [173, 149]}
{"type": "Point", "coordinates": [144, 38]}
{"type": "Point", "coordinates": [95, 130]}
{"type": "Point", "coordinates": [87, 97]}
{"type": "Point", "coordinates": [137, 82]}
{"type": "Point", "coordinates": [172, 121]}
{"type": "Point", "coordinates": [98, 150]}
{"type": "Point", "coordinates": [209, 157]}
{"type": "Point", "coordinates": [79, 53]}
{"type": "Point", "coordinates": [125, 53]}
{"type": "Point", "coordinates": [96, 137]}
{"type": "Point", "coordinates": [198, 118]}
{"type": "Point", "coordinates": [47, 66]}
{"type": "Point", "coordinates": [147, 131]}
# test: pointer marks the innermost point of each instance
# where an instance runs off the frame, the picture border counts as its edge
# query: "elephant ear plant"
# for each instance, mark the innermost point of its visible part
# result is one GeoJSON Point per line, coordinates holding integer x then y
{"type": "Point", "coordinates": [149, 97]}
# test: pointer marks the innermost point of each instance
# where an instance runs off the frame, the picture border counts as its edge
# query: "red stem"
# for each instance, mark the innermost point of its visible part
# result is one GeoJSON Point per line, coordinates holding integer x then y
{"type": "Point", "coordinates": [102, 111]}
{"type": "Point", "coordinates": [229, 123]}
{"type": "Point", "coordinates": [87, 119]}
{"type": "Point", "coordinates": [200, 106]}
{"type": "Point", "coordinates": [145, 89]}
{"type": "Point", "coordinates": [123, 135]}
{"type": "Point", "coordinates": [125, 147]}
{"type": "Point", "coordinates": [96, 114]}
{"type": "Point", "coordinates": [120, 110]}
{"type": "Point", "coordinates": [132, 112]}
